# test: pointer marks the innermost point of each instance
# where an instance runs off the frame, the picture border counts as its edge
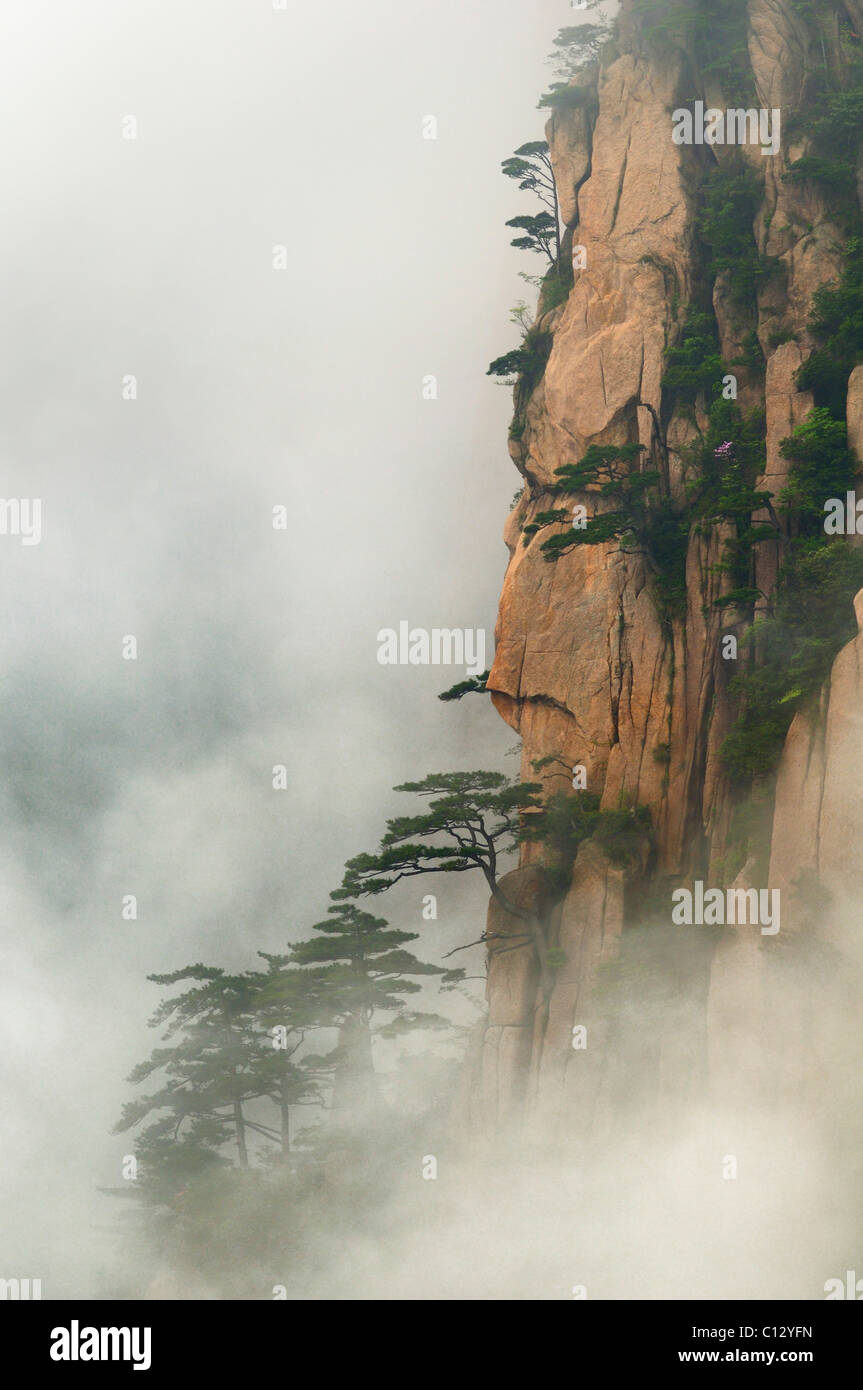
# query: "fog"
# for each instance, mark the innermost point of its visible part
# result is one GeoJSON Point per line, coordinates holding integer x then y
{"type": "Point", "coordinates": [257, 387]}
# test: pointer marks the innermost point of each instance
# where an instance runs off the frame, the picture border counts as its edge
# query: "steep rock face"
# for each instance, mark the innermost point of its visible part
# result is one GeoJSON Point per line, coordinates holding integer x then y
{"type": "Point", "coordinates": [769, 1034]}
{"type": "Point", "coordinates": [778, 45]}
{"type": "Point", "coordinates": [584, 666]}
{"type": "Point", "coordinates": [590, 668]}
{"type": "Point", "coordinates": [793, 227]}
{"type": "Point", "coordinates": [785, 407]}
{"type": "Point", "coordinates": [817, 816]}
{"type": "Point", "coordinates": [854, 411]}
{"type": "Point", "coordinates": [566, 1069]}
{"type": "Point", "coordinates": [570, 139]}
{"type": "Point", "coordinates": [636, 227]}
{"type": "Point", "coordinates": [513, 979]}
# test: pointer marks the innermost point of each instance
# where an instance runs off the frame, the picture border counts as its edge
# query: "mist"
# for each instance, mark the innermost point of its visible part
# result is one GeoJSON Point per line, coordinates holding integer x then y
{"type": "Point", "coordinates": [257, 387]}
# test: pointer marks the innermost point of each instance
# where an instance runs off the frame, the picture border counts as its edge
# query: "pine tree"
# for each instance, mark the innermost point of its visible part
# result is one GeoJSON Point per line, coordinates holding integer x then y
{"type": "Point", "coordinates": [218, 1061]}
{"type": "Point", "coordinates": [531, 167]}
{"type": "Point", "coordinates": [473, 819]}
{"type": "Point", "coordinates": [288, 1004]}
{"type": "Point", "coordinates": [362, 971]}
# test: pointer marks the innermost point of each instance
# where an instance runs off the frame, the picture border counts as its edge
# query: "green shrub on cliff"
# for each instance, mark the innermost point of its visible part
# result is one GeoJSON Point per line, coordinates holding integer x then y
{"type": "Point", "coordinates": [556, 285]}
{"type": "Point", "coordinates": [832, 119]}
{"type": "Point", "coordinates": [731, 199]}
{"type": "Point", "coordinates": [531, 168]}
{"type": "Point", "coordinates": [577, 45]}
{"type": "Point", "coordinates": [564, 97]}
{"type": "Point", "coordinates": [608, 471]}
{"type": "Point", "coordinates": [695, 363]}
{"type": "Point", "coordinates": [813, 617]}
{"type": "Point", "coordinates": [716, 36]}
{"type": "Point", "coordinates": [527, 362]}
{"type": "Point", "coordinates": [822, 466]}
{"type": "Point", "coordinates": [837, 325]}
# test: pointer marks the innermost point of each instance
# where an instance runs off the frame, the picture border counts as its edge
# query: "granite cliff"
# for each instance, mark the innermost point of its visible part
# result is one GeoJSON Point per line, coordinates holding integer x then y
{"type": "Point", "coordinates": [595, 665]}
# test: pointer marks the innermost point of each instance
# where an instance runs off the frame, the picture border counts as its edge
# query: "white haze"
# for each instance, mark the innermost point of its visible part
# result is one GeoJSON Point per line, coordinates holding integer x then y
{"type": "Point", "coordinates": [256, 647]}
{"type": "Point", "coordinates": [255, 387]}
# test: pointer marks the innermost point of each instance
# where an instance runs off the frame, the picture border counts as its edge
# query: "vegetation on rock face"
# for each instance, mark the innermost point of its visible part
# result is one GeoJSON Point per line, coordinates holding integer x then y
{"type": "Point", "coordinates": [731, 196]}
{"type": "Point", "coordinates": [569, 819]}
{"type": "Point", "coordinates": [526, 362]}
{"type": "Point", "coordinates": [609, 472]}
{"type": "Point", "coordinates": [694, 363]}
{"type": "Point", "coordinates": [837, 326]}
{"type": "Point", "coordinates": [472, 819]}
{"type": "Point", "coordinates": [822, 466]}
{"type": "Point", "coordinates": [640, 517]}
{"type": "Point", "coordinates": [832, 119]}
{"type": "Point", "coordinates": [729, 459]}
{"type": "Point", "coordinates": [724, 465]}
{"type": "Point", "coordinates": [556, 285]}
{"type": "Point", "coordinates": [530, 167]}
{"type": "Point", "coordinates": [575, 49]}
{"type": "Point", "coordinates": [540, 233]}
{"type": "Point", "coordinates": [791, 650]}
{"type": "Point", "coordinates": [475, 818]}
{"type": "Point", "coordinates": [578, 45]}
{"type": "Point", "coordinates": [562, 97]}
{"type": "Point", "coordinates": [716, 39]}
{"type": "Point", "coordinates": [809, 616]}
{"type": "Point", "coordinates": [475, 684]}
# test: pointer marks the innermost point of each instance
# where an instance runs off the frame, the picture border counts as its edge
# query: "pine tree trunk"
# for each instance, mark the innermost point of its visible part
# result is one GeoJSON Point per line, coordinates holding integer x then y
{"type": "Point", "coordinates": [355, 1087]}
{"type": "Point", "coordinates": [286, 1124]}
{"type": "Point", "coordinates": [240, 1126]}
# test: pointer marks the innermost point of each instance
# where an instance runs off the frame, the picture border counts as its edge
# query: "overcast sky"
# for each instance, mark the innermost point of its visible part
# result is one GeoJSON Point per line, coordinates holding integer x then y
{"type": "Point", "coordinates": [153, 257]}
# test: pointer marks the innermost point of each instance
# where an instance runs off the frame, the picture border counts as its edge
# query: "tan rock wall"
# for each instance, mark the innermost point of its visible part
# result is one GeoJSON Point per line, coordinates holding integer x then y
{"type": "Point", "coordinates": [587, 667]}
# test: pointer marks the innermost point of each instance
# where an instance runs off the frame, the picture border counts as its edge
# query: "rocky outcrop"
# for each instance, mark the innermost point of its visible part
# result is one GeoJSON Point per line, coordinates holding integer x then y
{"type": "Point", "coordinates": [570, 141]}
{"type": "Point", "coordinates": [584, 665]}
{"type": "Point", "coordinates": [567, 1061]}
{"type": "Point", "coordinates": [591, 666]}
{"type": "Point", "coordinates": [817, 848]}
{"type": "Point", "coordinates": [785, 407]}
{"type": "Point", "coordinates": [635, 224]}
{"type": "Point", "coordinates": [513, 987]}
{"type": "Point", "coordinates": [854, 411]}
{"type": "Point", "coordinates": [770, 1017]}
